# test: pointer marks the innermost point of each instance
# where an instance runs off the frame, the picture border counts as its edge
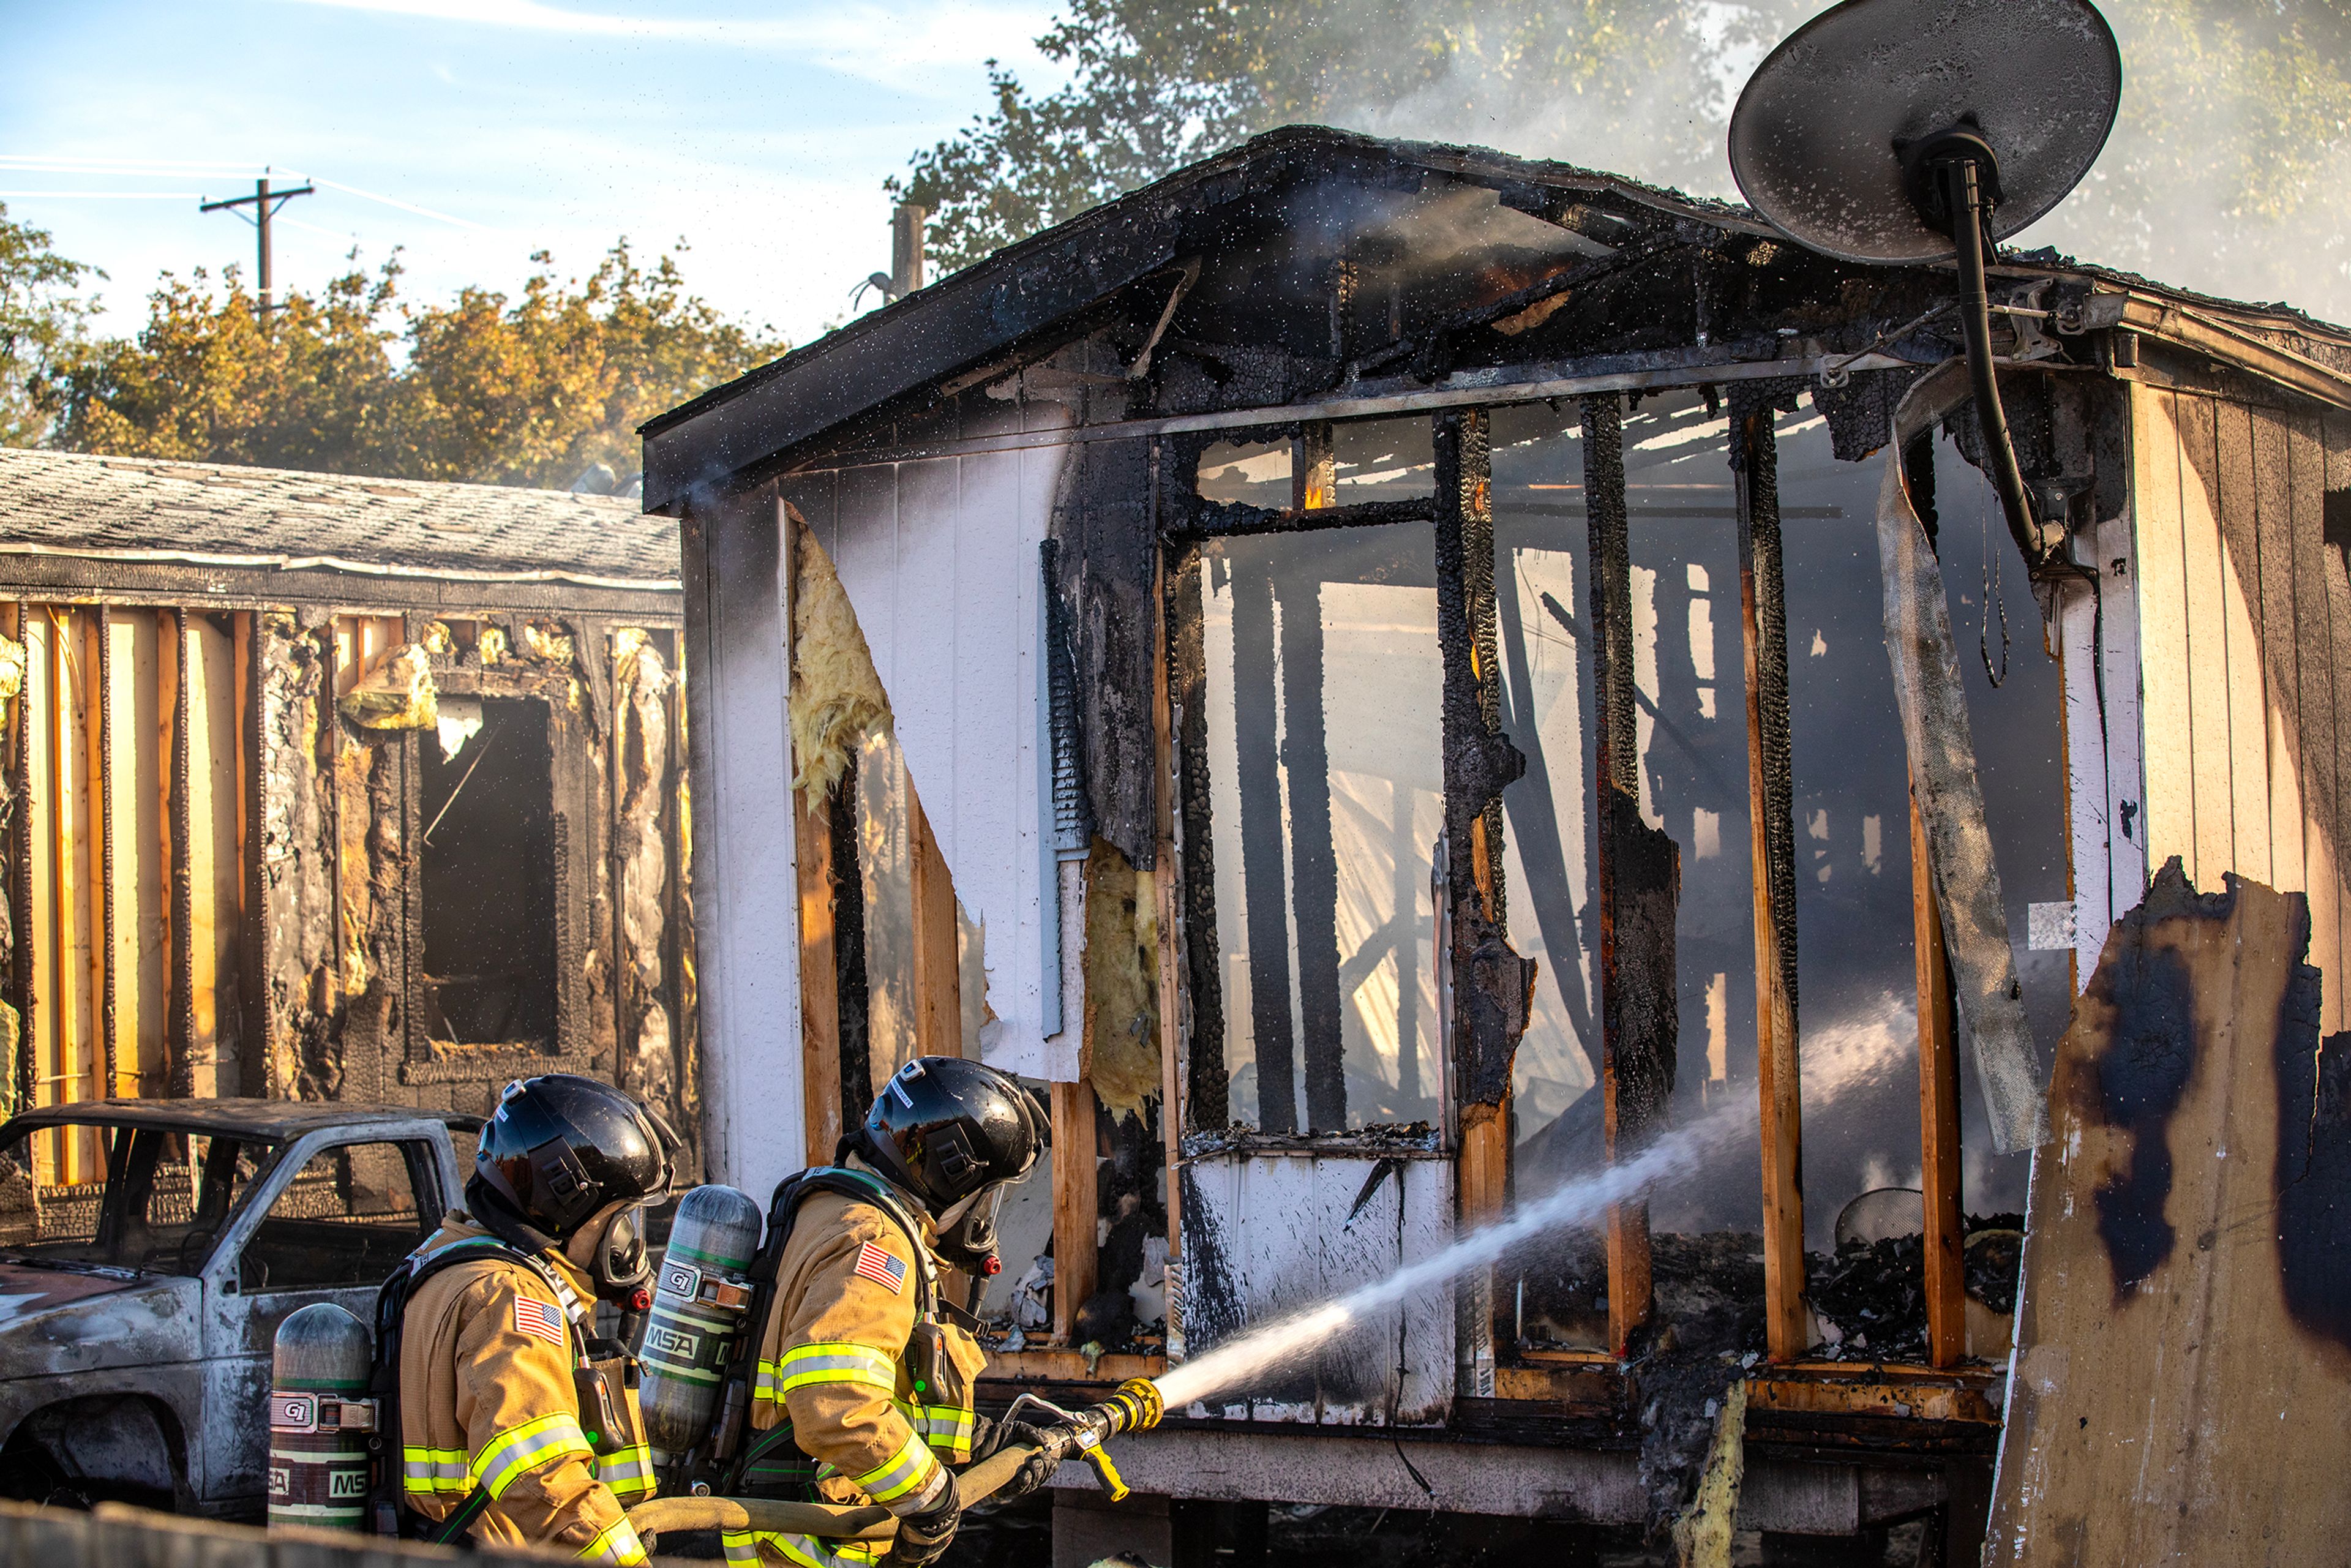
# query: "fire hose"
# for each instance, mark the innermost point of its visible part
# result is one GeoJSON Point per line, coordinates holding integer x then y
{"type": "Point", "coordinates": [1135, 1407]}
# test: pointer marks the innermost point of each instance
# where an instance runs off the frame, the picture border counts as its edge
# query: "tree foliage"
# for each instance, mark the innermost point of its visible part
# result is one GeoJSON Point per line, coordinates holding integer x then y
{"type": "Point", "coordinates": [533, 390]}
{"type": "Point", "coordinates": [2235, 131]}
{"type": "Point", "coordinates": [43, 325]}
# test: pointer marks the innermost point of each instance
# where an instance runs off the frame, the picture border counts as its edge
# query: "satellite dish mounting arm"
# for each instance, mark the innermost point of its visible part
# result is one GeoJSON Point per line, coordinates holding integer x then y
{"type": "Point", "coordinates": [1953, 179]}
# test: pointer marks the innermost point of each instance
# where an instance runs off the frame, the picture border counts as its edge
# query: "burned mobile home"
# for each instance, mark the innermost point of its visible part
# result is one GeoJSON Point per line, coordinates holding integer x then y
{"type": "Point", "coordinates": [1366, 666]}
{"type": "Point", "coordinates": [323, 788]}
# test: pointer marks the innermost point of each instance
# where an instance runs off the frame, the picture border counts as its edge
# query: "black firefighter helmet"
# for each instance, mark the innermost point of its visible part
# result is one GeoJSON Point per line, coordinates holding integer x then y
{"type": "Point", "coordinates": [950, 1130]}
{"type": "Point", "coordinates": [561, 1151]}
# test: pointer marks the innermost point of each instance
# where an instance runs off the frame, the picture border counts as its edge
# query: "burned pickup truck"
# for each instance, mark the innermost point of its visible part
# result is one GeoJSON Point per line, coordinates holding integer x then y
{"type": "Point", "coordinates": [148, 1249]}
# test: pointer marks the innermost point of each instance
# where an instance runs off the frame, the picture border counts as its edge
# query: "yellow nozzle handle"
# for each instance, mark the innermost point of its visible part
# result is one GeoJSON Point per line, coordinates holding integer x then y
{"type": "Point", "coordinates": [1098, 1458]}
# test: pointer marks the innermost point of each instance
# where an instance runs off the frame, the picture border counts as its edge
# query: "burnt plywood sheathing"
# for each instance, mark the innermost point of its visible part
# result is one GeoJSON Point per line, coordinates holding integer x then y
{"type": "Point", "coordinates": [1941, 747]}
{"type": "Point", "coordinates": [1108, 563]}
{"type": "Point", "coordinates": [2183, 1364]}
{"type": "Point", "coordinates": [1494, 989]}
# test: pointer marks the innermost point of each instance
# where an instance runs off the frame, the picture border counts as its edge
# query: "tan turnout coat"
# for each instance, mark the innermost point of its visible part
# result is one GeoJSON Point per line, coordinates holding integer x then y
{"type": "Point", "coordinates": [488, 1399]}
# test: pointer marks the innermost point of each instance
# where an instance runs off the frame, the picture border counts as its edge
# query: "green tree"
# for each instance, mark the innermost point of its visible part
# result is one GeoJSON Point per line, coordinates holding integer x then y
{"type": "Point", "coordinates": [2235, 137]}
{"type": "Point", "coordinates": [1155, 84]}
{"type": "Point", "coordinates": [44, 324]}
{"type": "Point", "coordinates": [531, 390]}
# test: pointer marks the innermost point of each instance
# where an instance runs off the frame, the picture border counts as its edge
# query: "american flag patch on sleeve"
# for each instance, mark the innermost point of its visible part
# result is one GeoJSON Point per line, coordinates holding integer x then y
{"type": "Point", "coordinates": [874, 1264]}
{"type": "Point", "coordinates": [538, 1319]}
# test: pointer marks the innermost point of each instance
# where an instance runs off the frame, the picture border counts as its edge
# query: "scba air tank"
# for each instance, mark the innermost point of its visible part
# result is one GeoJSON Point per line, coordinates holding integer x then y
{"type": "Point", "coordinates": [320, 1420]}
{"type": "Point", "coordinates": [700, 1296]}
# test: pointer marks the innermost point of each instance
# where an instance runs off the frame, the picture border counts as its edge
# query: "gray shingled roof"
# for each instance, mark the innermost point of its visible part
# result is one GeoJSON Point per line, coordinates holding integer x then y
{"type": "Point", "coordinates": [206, 514]}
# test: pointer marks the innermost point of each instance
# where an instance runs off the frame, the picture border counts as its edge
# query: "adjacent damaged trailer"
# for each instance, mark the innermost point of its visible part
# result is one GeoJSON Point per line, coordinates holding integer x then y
{"type": "Point", "coordinates": [321, 787]}
{"type": "Point", "coordinates": [1386, 678]}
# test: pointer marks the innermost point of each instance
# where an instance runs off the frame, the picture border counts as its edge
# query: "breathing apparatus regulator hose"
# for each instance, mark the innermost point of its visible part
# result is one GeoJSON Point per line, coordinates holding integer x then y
{"type": "Point", "coordinates": [1135, 1406]}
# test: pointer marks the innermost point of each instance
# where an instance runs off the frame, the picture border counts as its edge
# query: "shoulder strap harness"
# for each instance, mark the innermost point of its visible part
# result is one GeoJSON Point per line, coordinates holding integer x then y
{"type": "Point", "coordinates": [391, 1514]}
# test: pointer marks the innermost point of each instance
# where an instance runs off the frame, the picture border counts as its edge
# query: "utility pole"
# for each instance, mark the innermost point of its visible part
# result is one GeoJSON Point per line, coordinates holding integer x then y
{"type": "Point", "coordinates": [265, 204]}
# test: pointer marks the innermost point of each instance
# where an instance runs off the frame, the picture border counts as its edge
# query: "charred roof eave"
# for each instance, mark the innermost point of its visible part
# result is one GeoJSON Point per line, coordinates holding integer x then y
{"type": "Point", "coordinates": [1029, 291]}
{"type": "Point", "coordinates": [975, 315]}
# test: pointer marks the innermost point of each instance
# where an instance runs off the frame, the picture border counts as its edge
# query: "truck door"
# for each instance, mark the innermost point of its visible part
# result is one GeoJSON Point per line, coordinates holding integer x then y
{"type": "Point", "coordinates": [336, 1223]}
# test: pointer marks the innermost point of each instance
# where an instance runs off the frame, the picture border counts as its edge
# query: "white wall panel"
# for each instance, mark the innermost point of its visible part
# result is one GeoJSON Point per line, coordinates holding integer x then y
{"type": "Point", "coordinates": [746, 905]}
{"type": "Point", "coordinates": [940, 561]}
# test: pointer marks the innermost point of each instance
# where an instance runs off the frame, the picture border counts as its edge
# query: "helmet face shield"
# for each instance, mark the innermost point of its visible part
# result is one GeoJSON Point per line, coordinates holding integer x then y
{"type": "Point", "coordinates": [967, 1230]}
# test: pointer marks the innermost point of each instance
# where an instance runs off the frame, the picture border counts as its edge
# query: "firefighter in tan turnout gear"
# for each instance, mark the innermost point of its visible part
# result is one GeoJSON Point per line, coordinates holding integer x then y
{"type": "Point", "coordinates": [517, 1425]}
{"type": "Point", "coordinates": [864, 1374]}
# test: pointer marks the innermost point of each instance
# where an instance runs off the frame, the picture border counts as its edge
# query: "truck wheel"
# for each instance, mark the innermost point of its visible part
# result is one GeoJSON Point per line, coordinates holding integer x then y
{"type": "Point", "coordinates": [113, 1449]}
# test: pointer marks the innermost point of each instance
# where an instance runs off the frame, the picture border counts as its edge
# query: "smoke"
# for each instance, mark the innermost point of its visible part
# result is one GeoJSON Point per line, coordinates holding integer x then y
{"type": "Point", "coordinates": [2233, 138]}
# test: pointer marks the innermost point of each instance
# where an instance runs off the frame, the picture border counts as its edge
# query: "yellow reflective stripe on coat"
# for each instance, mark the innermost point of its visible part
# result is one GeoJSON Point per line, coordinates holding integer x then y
{"type": "Point", "coordinates": [524, 1448]}
{"type": "Point", "coordinates": [833, 1361]}
{"type": "Point", "coordinates": [743, 1548]}
{"type": "Point", "coordinates": [618, 1545]}
{"type": "Point", "coordinates": [902, 1472]}
{"type": "Point", "coordinates": [945, 1427]}
{"type": "Point", "coordinates": [628, 1472]}
{"type": "Point", "coordinates": [432, 1472]}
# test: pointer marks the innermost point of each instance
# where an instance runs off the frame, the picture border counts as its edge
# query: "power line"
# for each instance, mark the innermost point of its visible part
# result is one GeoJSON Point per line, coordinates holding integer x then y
{"type": "Point", "coordinates": [265, 204]}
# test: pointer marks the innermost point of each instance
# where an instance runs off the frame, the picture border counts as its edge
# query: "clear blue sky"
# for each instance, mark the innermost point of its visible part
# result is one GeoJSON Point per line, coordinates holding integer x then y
{"type": "Point", "coordinates": [758, 133]}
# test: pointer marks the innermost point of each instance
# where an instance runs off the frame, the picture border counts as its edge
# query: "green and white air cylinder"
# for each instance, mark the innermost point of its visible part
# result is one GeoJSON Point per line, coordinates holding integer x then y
{"type": "Point", "coordinates": [320, 1420]}
{"type": "Point", "coordinates": [701, 1295]}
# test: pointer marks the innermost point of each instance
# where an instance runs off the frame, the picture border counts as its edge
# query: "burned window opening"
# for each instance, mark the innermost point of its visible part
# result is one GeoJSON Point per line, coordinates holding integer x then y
{"type": "Point", "coordinates": [489, 892]}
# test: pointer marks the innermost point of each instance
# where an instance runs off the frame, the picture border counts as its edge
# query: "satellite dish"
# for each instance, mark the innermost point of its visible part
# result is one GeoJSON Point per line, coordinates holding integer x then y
{"type": "Point", "coordinates": [1833, 131]}
{"type": "Point", "coordinates": [1922, 131]}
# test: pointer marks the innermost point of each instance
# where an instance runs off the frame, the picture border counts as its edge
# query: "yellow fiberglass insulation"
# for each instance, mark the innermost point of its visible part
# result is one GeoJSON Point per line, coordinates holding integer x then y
{"type": "Point", "coordinates": [398, 694]}
{"type": "Point", "coordinates": [1122, 1038]}
{"type": "Point", "coordinates": [837, 698]}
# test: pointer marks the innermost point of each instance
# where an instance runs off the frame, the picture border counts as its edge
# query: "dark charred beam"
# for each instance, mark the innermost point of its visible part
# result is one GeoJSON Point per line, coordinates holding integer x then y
{"type": "Point", "coordinates": [1237, 519]}
{"type": "Point", "coordinates": [1771, 812]}
{"type": "Point", "coordinates": [1493, 987]}
{"type": "Point", "coordinates": [1313, 859]}
{"type": "Point", "coordinates": [1479, 762]}
{"type": "Point", "coordinates": [1256, 721]}
{"type": "Point", "coordinates": [1638, 873]}
{"type": "Point", "coordinates": [1207, 1098]}
{"type": "Point", "coordinates": [848, 951]}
